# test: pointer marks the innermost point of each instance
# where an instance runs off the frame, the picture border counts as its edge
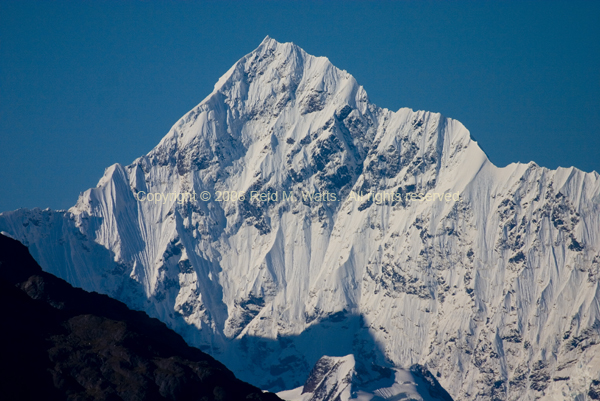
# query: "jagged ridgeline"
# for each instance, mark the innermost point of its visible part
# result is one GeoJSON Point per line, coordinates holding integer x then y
{"type": "Point", "coordinates": [484, 279]}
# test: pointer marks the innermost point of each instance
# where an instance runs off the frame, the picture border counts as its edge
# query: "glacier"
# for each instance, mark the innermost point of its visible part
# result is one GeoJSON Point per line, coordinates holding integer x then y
{"type": "Point", "coordinates": [493, 290]}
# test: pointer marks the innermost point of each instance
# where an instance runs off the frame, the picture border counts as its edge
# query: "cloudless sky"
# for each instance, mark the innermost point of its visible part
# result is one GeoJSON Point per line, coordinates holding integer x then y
{"type": "Point", "coordinates": [84, 85]}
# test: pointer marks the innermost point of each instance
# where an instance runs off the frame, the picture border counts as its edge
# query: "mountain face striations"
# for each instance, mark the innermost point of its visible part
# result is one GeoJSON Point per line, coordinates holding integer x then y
{"type": "Point", "coordinates": [338, 228]}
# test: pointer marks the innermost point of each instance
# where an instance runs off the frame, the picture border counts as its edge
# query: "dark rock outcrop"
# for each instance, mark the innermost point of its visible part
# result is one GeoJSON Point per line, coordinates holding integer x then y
{"type": "Point", "coordinates": [58, 342]}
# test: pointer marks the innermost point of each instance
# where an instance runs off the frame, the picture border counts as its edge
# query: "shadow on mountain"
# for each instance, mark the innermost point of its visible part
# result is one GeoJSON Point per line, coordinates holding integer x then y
{"type": "Point", "coordinates": [83, 364]}
{"type": "Point", "coordinates": [63, 343]}
{"type": "Point", "coordinates": [337, 335]}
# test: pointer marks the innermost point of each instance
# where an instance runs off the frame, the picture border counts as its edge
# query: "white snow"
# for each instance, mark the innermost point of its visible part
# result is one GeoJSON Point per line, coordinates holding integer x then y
{"type": "Point", "coordinates": [498, 292]}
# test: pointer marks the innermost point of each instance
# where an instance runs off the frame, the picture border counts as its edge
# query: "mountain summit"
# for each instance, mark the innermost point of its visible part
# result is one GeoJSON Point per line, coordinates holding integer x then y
{"type": "Point", "coordinates": [286, 218]}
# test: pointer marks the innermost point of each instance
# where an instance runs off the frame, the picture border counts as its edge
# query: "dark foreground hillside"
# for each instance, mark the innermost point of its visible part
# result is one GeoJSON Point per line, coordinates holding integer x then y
{"type": "Point", "coordinates": [63, 343]}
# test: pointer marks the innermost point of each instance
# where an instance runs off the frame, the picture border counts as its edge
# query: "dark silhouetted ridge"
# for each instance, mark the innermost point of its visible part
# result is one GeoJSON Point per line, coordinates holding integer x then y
{"type": "Point", "coordinates": [63, 343]}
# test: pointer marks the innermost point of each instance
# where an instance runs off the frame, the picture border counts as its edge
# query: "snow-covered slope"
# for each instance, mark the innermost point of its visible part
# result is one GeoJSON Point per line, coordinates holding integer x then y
{"type": "Point", "coordinates": [490, 282]}
{"type": "Point", "coordinates": [335, 379]}
{"type": "Point", "coordinates": [330, 378]}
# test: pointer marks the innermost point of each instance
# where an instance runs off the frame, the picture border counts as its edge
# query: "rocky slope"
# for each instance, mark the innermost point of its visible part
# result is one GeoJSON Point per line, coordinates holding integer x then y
{"type": "Point", "coordinates": [62, 343]}
{"type": "Point", "coordinates": [486, 277]}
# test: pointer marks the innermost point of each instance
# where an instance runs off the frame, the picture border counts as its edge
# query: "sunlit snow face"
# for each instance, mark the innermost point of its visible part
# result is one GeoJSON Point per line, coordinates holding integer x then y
{"type": "Point", "coordinates": [401, 246]}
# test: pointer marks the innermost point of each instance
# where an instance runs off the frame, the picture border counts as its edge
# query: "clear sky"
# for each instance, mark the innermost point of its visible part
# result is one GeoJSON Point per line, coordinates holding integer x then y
{"type": "Point", "coordinates": [84, 85]}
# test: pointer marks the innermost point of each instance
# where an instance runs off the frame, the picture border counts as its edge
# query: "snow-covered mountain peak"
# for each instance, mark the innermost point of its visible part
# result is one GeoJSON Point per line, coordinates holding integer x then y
{"type": "Point", "coordinates": [276, 83]}
{"type": "Point", "coordinates": [299, 122]}
{"type": "Point", "coordinates": [325, 225]}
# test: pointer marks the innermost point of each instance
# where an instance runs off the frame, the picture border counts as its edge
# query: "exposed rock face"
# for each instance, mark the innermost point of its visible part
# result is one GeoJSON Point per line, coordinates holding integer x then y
{"type": "Point", "coordinates": [62, 343]}
{"type": "Point", "coordinates": [490, 282]}
{"type": "Point", "coordinates": [330, 379]}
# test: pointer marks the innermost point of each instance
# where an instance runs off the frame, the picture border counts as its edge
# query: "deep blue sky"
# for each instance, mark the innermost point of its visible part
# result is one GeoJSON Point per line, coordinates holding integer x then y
{"type": "Point", "coordinates": [84, 85]}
